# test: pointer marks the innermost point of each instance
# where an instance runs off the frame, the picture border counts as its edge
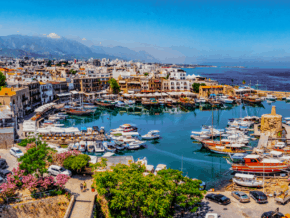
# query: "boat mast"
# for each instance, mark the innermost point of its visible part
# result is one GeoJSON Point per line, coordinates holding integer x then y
{"type": "Point", "coordinates": [212, 123]}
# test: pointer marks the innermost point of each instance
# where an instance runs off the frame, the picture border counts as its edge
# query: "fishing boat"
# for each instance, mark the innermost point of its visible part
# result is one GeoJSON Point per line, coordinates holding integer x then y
{"type": "Point", "coordinates": [247, 180]}
{"type": "Point", "coordinates": [91, 146]}
{"type": "Point", "coordinates": [83, 146]}
{"type": "Point", "coordinates": [79, 112]}
{"type": "Point", "coordinates": [281, 147]}
{"type": "Point", "coordinates": [226, 100]}
{"type": "Point", "coordinates": [253, 163]}
{"type": "Point", "coordinates": [153, 134]}
{"type": "Point", "coordinates": [252, 100]}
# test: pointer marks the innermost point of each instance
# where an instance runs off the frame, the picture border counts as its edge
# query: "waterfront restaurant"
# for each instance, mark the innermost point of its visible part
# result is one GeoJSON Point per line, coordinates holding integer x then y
{"type": "Point", "coordinates": [205, 91]}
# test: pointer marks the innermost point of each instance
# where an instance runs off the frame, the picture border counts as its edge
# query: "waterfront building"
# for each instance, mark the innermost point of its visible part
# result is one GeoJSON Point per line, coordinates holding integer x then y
{"type": "Point", "coordinates": [59, 87]}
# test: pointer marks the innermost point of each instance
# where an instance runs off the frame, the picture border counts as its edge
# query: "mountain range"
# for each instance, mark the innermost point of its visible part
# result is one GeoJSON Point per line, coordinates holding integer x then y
{"type": "Point", "coordinates": [45, 47]}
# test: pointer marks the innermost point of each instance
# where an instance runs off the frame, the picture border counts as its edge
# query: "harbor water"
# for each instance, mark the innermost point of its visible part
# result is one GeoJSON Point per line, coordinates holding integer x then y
{"type": "Point", "coordinates": [176, 148]}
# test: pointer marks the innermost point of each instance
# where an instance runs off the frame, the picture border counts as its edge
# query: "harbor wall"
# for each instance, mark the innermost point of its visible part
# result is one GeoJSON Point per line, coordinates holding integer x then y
{"type": "Point", "coordinates": [6, 137]}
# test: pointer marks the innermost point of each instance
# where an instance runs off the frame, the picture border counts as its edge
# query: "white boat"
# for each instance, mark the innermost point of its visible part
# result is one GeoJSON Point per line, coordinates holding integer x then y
{"type": "Point", "coordinates": [83, 146]}
{"type": "Point", "coordinates": [271, 98]}
{"type": "Point", "coordinates": [288, 98]}
{"type": "Point", "coordinates": [226, 100]}
{"type": "Point", "coordinates": [247, 180]}
{"type": "Point", "coordinates": [110, 146]}
{"type": "Point", "coordinates": [99, 148]}
{"type": "Point", "coordinates": [201, 100]}
{"type": "Point", "coordinates": [108, 154]}
{"type": "Point", "coordinates": [91, 146]}
{"type": "Point", "coordinates": [75, 146]}
{"type": "Point", "coordinates": [153, 134]}
{"type": "Point", "coordinates": [133, 146]}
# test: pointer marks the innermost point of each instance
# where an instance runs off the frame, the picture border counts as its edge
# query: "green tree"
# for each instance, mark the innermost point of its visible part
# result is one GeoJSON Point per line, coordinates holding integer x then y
{"type": "Point", "coordinates": [146, 74]}
{"type": "Point", "coordinates": [2, 79]}
{"type": "Point", "coordinates": [196, 86]}
{"type": "Point", "coordinates": [33, 161]}
{"type": "Point", "coordinates": [114, 85]}
{"type": "Point", "coordinates": [76, 163]}
{"type": "Point", "coordinates": [232, 81]}
{"type": "Point", "coordinates": [244, 82]}
{"type": "Point", "coordinates": [132, 194]}
{"type": "Point", "coordinates": [49, 63]}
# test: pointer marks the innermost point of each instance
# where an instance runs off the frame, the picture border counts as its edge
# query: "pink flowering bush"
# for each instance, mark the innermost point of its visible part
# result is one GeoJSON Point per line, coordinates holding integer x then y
{"type": "Point", "coordinates": [29, 146]}
{"type": "Point", "coordinates": [61, 180]}
{"type": "Point", "coordinates": [8, 189]}
{"type": "Point", "coordinates": [59, 158]}
{"type": "Point", "coordinates": [30, 182]}
{"type": "Point", "coordinates": [16, 177]}
{"type": "Point", "coordinates": [46, 182]}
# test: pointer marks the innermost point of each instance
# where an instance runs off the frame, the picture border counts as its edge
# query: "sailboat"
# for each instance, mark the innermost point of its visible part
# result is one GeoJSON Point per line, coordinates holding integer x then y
{"type": "Point", "coordinates": [79, 110]}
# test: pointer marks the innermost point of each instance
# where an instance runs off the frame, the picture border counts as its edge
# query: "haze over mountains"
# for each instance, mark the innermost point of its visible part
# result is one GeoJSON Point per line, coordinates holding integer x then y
{"type": "Point", "coordinates": [45, 47]}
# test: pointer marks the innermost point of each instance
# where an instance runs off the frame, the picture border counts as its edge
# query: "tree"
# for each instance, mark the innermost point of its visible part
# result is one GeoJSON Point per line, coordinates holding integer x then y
{"type": "Point", "coordinates": [76, 163]}
{"type": "Point", "coordinates": [132, 194]}
{"type": "Point", "coordinates": [232, 81]}
{"type": "Point", "coordinates": [114, 85]}
{"type": "Point", "coordinates": [146, 74]}
{"type": "Point", "coordinates": [196, 86]}
{"type": "Point", "coordinates": [33, 161]}
{"type": "Point", "coordinates": [244, 82]}
{"type": "Point", "coordinates": [49, 63]}
{"type": "Point", "coordinates": [2, 79]}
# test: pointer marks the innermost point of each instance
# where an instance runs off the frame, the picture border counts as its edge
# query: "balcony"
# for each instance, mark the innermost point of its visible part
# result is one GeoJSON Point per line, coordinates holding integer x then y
{"type": "Point", "coordinates": [44, 96]}
{"type": "Point", "coordinates": [44, 90]}
{"type": "Point", "coordinates": [24, 99]}
{"type": "Point", "coordinates": [35, 94]}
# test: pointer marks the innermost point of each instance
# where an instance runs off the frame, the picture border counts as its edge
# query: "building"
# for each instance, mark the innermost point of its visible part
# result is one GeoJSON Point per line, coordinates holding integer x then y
{"type": "Point", "coordinates": [205, 91]}
{"type": "Point", "coordinates": [46, 92]}
{"type": "Point", "coordinates": [59, 87]}
{"type": "Point", "coordinates": [17, 99]}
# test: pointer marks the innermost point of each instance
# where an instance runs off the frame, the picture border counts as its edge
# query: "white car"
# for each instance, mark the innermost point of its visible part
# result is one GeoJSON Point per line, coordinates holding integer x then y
{"type": "Point", "coordinates": [16, 152]}
{"type": "Point", "coordinates": [211, 215]}
{"type": "Point", "coordinates": [55, 170]}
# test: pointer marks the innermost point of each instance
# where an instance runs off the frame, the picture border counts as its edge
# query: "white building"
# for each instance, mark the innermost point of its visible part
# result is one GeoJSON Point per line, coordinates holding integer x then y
{"type": "Point", "coordinates": [46, 92]}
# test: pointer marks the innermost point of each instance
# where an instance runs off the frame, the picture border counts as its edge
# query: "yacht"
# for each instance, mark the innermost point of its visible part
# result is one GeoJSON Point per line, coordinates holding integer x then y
{"type": "Point", "coordinates": [247, 180]}
{"type": "Point", "coordinates": [91, 146]}
{"type": "Point", "coordinates": [99, 148]}
{"type": "Point", "coordinates": [271, 98]}
{"type": "Point", "coordinates": [153, 134]}
{"type": "Point", "coordinates": [110, 146]}
{"type": "Point", "coordinates": [226, 100]}
{"type": "Point", "coordinates": [83, 146]}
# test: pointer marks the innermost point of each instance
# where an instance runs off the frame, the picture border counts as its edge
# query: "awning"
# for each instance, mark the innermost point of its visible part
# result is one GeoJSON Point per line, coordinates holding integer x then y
{"type": "Point", "coordinates": [64, 94]}
{"type": "Point", "coordinates": [122, 81]}
{"type": "Point", "coordinates": [74, 92]}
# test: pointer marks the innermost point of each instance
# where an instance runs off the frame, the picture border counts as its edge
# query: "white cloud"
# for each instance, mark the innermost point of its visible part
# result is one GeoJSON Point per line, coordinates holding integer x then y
{"type": "Point", "coordinates": [84, 39]}
{"type": "Point", "coordinates": [53, 36]}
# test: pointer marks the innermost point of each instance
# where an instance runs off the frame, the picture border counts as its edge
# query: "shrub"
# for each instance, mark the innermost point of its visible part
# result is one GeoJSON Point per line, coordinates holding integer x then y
{"type": "Point", "coordinates": [76, 163]}
{"type": "Point", "coordinates": [61, 180]}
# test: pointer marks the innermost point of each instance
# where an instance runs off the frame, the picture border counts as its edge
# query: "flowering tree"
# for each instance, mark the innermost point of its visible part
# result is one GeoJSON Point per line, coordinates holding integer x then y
{"type": "Point", "coordinates": [59, 158]}
{"type": "Point", "coordinates": [30, 182]}
{"type": "Point", "coordinates": [61, 180]}
{"type": "Point", "coordinates": [46, 182]}
{"type": "Point", "coordinates": [16, 177]}
{"type": "Point", "coordinates": [8, 189]}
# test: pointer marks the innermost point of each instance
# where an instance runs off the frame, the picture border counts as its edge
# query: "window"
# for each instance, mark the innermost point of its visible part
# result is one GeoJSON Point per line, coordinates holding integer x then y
{"type": "Point", "coordinates": [253, 161]}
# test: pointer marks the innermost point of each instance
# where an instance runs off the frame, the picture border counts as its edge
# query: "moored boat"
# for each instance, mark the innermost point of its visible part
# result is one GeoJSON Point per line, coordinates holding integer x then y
{"type": "Point", "coordinates": [247, 180]}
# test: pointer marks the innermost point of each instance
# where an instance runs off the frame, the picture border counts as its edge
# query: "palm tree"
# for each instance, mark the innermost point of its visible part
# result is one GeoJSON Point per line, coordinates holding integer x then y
{"type": "Point", "coordinates": [232, 81]}
{"type": "Point", "coordinates": [244, 82]}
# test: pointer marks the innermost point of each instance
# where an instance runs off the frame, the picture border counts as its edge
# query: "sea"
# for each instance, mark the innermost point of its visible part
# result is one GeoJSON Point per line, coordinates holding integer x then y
{"type": "Point", "coordinates": [270, 79]}
{"type": "Point", "coordinates": [175, 148]}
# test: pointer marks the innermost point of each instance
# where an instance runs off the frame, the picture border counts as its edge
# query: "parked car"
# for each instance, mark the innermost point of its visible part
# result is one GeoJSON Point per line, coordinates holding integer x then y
{"type": "Point", "coordinates": [3, 163]}
{"type": "Point", "coordinates": [259, 196]}
{"type": "Point", "coordinates": [241, 196]}
{"type": "Point", "coordinates": [55, 170]}
{"type": "Point", "coordinates": [211, 215]}
{"type": "Point", "coordinates": [218, 198]}
{"type": "Point", "coordinates": [272, 214]}
{"type": "Point", "coordinates": [4, 173]}
{"type": "Point", "coordinates": [16, 152]}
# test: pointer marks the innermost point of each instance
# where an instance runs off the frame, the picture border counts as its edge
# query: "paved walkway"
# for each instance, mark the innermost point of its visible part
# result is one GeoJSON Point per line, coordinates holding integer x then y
{"type": "Point", "coordinates": [84, 200]}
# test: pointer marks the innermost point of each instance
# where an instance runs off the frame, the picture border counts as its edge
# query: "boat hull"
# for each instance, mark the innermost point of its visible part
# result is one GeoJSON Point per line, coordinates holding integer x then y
{"type": "Point", "coordinates": [259, 169]}
{"type": "Point", "coordinates": [248, 184]}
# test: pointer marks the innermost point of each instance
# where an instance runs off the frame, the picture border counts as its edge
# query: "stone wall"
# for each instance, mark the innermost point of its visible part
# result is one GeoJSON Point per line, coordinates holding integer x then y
{"type": "Point", "coordinates": [6, 138]}
{"type": "Point", "coordinates": [271, 124]}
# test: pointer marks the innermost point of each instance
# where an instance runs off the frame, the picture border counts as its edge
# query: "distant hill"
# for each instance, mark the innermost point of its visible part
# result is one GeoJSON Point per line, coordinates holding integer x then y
{"type": "Point", "coordinates": [45, 47]}
{"type": "Point", "coordinates": [124, 53]}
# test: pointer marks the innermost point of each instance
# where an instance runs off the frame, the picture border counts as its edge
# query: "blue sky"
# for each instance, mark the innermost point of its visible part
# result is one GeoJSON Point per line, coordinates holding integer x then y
{"type": "Point", "coordinates": [173, 31]}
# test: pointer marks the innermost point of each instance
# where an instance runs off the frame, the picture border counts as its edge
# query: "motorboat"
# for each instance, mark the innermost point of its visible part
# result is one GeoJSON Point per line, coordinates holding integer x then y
{"type": "Point", "coordinates": [201, 100]}
{"type": "Point", "coordinates": [91, 146]}
{"type": "Point", "coordinates": [83, 146]}
{"type": "Point", "coordinates": [120, 104]}
{"type": "Point", "coordinates": [271, 98]}
{"type": "Point", "coordinates": [247, 180]}
{"type": "Point", "coordinates": [75, 146]}
{"type": "Point", "coordinates": [226, 100]}
{"type": "Point", "coordinates": [252, 100]}
{"type": "Point", "coordinates": [125, 128]}
{"type": "Point", "coordinates": [99, 148]}
{"type": "Point", "coordinates": [288, 98]}
{"type": "Point", "coordinates": [132, 146]}
{"type": "Point", "coordinates": [227, 149]}
{"type": "Point", "coordinates": [153, 134]}
{"type": "Point", "coordinates": [110, 146]}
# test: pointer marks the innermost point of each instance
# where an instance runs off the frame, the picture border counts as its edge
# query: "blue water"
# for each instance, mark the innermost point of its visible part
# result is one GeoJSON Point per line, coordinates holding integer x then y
{"type": "Point", "coordinates": [267, 79]}
{"type": "Point", "coordinates": [175, 130]}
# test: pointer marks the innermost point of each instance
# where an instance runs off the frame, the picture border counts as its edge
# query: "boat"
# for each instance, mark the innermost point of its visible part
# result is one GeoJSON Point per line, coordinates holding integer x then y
{"type": "Point", "coordinates": [133, 146]}
{"type": "Point", "coordinates": [153, 134]}
{"type": "Point", "coordinates": [271, 98]}
{"type": "Point", "coordinates": [99, 148]}
{"type": "Point", "coordinates": [201, 100]}
{"type": "Point", "coordinates": [288, 98]}
{"type": "Point", "coordinates": [247, 180]}
{"type": "Point", "coordinates": [252, 100]}
{"type": "Point", "coordinates": [281, 147]}
{"type": "Point", "coordinates": [226, 100]}
{"type": "Point", "coordinates": [79, 112]}
{"type": "Point", "coordinates": [253, 163]}
{"type": "Point", "coordinates": [91, 146]}
{"type": "Point", "coordinates": [227, 149]}
{"type": "Point", "coordinates": [109, 146]}
{"type": "Point", "coordinates": [83, 146]}
{"type": "Point", "coordinates": [75, 146]}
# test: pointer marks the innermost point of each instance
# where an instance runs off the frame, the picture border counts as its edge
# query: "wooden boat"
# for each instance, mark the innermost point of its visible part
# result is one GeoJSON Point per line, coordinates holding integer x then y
{"type": "Point", "coordinates": [255, 164]}
{"type": "Point", "coordinates": [227, 149]}
{"type": "Point", "coordinates": [78, 112]}
{"type": "Point", "coordinates": [247, 180]}
{"type": "Point", "coordinates": [212, 143]}
{"type": "Point", "coordinates": [252, 100]}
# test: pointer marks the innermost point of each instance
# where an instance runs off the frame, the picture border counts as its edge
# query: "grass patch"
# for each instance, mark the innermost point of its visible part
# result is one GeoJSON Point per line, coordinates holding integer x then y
{"type": "Point", "coordinates": [64, 146]}
{"type": "Point", "coordinates": [118, 134]}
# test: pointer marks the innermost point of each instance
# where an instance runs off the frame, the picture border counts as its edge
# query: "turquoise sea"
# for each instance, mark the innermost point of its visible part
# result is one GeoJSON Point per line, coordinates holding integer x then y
{"type": "Point", "coordinates": [175, 127]}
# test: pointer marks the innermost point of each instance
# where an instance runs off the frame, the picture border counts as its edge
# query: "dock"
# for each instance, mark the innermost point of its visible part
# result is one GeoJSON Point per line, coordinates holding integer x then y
{"type": "Point", "coordinates": [263, 141]}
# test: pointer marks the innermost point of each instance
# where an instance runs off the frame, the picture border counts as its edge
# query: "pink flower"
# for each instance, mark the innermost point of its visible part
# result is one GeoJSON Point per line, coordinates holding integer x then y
{"type": "Point", "coordinates": [29, 182]}
{"type": "Point", "coordinates": [61, 180]}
